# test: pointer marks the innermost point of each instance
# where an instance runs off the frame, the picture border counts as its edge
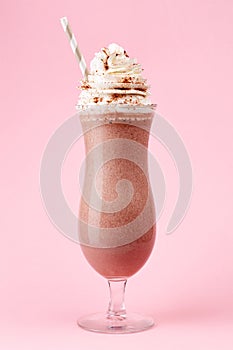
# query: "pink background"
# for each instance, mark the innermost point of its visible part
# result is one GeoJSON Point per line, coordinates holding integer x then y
{"type": "Point", "coordinates": [187, 285]}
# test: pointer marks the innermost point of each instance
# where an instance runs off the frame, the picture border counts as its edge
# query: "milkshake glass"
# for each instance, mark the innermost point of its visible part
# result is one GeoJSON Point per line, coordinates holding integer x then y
{"type": "Point", "coordinates": [116, 213]}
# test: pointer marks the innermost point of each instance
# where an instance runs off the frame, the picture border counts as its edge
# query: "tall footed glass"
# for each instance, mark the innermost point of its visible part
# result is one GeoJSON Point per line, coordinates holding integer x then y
{"type": "Point", "coordinates": [116, 214]}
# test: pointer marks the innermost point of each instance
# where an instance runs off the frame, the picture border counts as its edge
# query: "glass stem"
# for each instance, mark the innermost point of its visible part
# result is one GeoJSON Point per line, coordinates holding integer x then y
{"type": "Point", "coordinates": [116, 308]}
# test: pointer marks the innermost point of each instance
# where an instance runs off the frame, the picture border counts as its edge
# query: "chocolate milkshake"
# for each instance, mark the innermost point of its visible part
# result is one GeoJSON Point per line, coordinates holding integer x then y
{"type": "Point", "coordinates": [116, 214]}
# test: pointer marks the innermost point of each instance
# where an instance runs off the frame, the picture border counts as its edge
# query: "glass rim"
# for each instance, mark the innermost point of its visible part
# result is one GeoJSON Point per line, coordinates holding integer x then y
{"type": "Point", "coordinates": [117, 107]}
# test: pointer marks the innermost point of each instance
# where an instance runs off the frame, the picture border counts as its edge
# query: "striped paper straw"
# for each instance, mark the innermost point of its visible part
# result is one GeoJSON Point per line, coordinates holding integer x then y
{"type": "Point", "coordinates": [74, 46]}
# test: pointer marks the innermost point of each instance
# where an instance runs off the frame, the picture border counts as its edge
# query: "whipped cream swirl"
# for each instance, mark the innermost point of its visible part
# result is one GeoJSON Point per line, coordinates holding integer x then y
{"type": "Point", "coordinates": [114, 79]}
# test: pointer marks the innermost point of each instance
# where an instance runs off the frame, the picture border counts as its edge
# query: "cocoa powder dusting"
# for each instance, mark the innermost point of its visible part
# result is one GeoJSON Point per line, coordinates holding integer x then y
{"type": "Point", "coordinates": [85, 86]}
{"type": "Point", "coordinates": [104, 51]}
{"type": "Point", "coordinates": [127, 80]}
{"type": "Point", "coordinates": [106, 64]}
{"type": "Point", "coordinates": [106, 60]}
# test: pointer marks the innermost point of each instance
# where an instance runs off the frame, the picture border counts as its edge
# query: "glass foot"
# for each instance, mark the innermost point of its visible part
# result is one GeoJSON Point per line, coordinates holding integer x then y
{"type": "Point", "coordinates": [101, 323]}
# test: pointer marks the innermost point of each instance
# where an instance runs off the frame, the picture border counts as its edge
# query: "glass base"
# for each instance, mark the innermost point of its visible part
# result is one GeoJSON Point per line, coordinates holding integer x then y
{"type": "Point", "coordinates": [100, 323]}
